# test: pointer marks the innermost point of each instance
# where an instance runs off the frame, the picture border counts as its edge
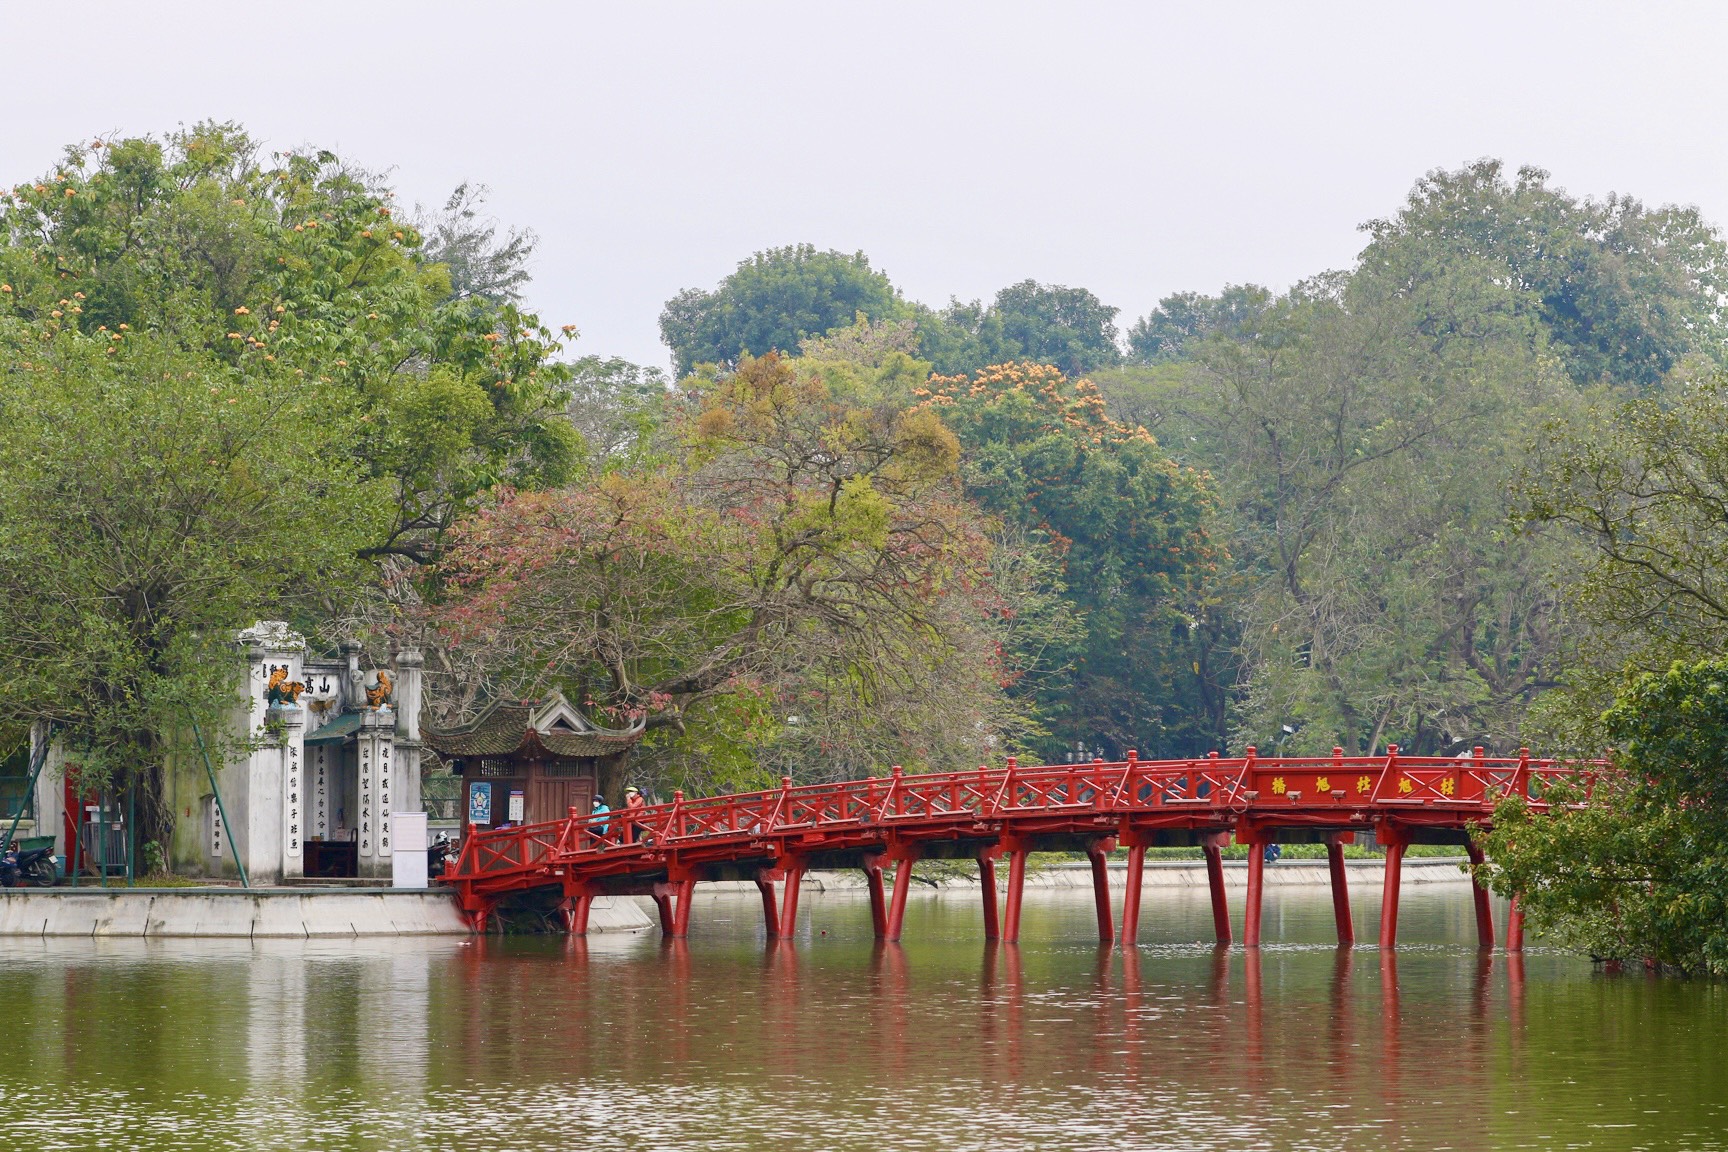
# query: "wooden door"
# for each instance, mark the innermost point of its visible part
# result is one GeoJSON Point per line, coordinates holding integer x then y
{"type": "Point", "coordinates": [552, 799]}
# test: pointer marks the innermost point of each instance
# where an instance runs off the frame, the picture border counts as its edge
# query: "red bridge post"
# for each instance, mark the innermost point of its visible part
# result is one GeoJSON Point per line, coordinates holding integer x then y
{"type": "Point", "coordinates": [987, 878]}
{"type": "Point", "coordinates": [1395, 841]}
{"type": "Point", "coordinates": [765, 878]}
{"type": "Point", "coordinates": [793, 866]}
{"type": "Point", "coordinates": [903, 859]}
{"type": "Point", "coordinates": [1017, 850]}
{"type": "Point", "coordinates": [1213, 847]}
{"type": "Point", "coordinates": [1484, 910]}
{"type": "Point", "coordinates": [1131, 893]}
{"type": "Point", "coordinates": [878, 897]}
{"type": "Point", "coordinates": [1340, 887]}
{"type": "Point", "coordinates": [1515, 927]}
{"type": "Point", "coordinates": [1256, 839]}
{"type": "Point", "coordinates": [1098, 853]}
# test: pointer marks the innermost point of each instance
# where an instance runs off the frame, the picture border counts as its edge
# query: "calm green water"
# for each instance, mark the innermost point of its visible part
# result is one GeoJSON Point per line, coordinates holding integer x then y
{"type": "Point", "coordinates": [835, 1043]}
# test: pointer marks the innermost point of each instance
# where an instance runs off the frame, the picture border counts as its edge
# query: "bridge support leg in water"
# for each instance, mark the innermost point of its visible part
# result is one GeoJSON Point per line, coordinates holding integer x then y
{"type": "Point", "coordinates": [1395, 845]}
{"type": "Point", "coordinates": [1016, 891]}
{"type": "Point", "coordinates": [673, 900]}
{"type": "Point", "coordinates": [765, 878]}
{"type": "Point", "coordinates": [794, 870]}
{"type": "Point", "coordinates": [1256, 886]}
{"type": "Point", "coordinates": [878, 894]}
{"type": "Point", "coordinates": [1098, 853]}
{"type": "Point", "coordinates": [1214, 851]}
{"type": "Point", "coordinates": [1340, 888]}
{"type": "Point", "coordinates": [1515, 928]}
{"type": "Point", "coordinates": [903, 861]}
{"type": "Point", "coordinates": [579, 906]}
{"type": "Point", "coordinates": [987, 878]}
{"type": "Point", "coordinates": [1131, 894]}
{"type": "Point", "coordinates": [1484, 910]}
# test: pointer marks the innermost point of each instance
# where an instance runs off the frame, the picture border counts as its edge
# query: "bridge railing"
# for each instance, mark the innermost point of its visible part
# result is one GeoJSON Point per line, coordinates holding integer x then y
{"type": "Point", "coordinates": [1392, 781]}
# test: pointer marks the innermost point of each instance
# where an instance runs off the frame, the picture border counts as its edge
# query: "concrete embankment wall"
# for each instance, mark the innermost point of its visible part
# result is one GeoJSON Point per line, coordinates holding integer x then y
{"type": "Point", "coordinates": [258, 913]}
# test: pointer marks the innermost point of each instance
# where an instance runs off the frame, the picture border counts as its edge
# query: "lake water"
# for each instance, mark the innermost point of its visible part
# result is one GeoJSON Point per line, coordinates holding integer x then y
{"type": "Point", "coordinates": [834, 1042]}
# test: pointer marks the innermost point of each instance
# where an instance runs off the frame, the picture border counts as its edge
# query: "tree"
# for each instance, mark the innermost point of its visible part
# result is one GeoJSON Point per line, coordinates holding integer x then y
{"type": "Point", "coordinates": [236, 387]}
{"type": "Point", "coordinates": [1066, 327]}
{"type": "Point", "coordinates": [806, 554]}
{"type": "Point", "coordinates": [467, 245]}
{"type": "Point", "coordinates": [616, 406]}
{"type": "Point", "coordinates": [1641, 871]}
{"type": "Point", "coordinates": [1131, 530]}
{"type": "Point", "coordinates": [1180, 321]}
{"type": "Point", "coordinates": [1625, 293]}
{"type": "Point", "coordinates": [772, 302]}
{"type": "Point", "coordinates": [300, 266]}
{"type": "Point", "coordinates": [1358, 431]}
{"type": "Point", "coordinates": [152, 501]}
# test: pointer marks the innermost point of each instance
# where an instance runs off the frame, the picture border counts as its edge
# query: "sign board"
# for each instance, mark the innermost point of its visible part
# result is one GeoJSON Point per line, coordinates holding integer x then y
{"type": "Point", "coordinates": [515, 806]}
{"type": "Point", "coordinates": [480, 802]}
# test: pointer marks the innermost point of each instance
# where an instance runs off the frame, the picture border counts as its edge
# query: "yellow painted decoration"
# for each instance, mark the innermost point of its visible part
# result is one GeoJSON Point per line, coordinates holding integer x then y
{"type": "Point", "coordinates": [1324, 784]}
{"type": "Point", "coordinates": [1277, 785]}
{"type": "Point", "coordinates": [1364, 783]}
{"type": "Point", "coordinates": [1404, 784]}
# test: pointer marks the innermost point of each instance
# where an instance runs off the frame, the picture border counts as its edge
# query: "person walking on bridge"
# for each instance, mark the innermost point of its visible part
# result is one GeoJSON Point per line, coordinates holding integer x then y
{"type": "Point", "coordinates": [599, 828]}
{"type": "Point", "coordinates": [633, 804]}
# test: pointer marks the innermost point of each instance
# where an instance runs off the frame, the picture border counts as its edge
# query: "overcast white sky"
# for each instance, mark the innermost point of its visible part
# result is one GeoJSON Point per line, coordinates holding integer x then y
{"type": "Point", "coordinates": [1135, 149]}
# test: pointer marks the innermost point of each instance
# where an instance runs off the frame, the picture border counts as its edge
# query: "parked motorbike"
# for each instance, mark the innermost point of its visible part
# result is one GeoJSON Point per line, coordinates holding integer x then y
{"type": "Point", "coordinates": [34, 867]}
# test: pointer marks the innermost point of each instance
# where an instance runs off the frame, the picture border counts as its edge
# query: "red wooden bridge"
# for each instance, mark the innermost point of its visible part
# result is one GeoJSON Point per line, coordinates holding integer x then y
{"type": "Point", "coordinates": [773, 837]}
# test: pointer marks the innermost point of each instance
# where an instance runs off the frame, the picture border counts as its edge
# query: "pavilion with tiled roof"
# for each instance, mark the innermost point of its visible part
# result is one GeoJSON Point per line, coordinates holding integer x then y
{"type": "Point", "coordinates": [529, 762]}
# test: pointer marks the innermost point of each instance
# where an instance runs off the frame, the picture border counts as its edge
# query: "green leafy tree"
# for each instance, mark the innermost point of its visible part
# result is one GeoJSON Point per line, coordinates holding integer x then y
{"type": "Point", "coordinates": [775, 300]}
{"type": "Point", "coordinates": [1175, 327]}
{"type": "Point", "coordinates": [1132, 531]}
{"type": "Point", "coordinates": [1358, 431]}
{"type": "Point", "coordinates": [299, 265]}
{"type": "Point", "coordinates": [1640, 871]}
{"type": "Point", "coordinates": [152, 501]}
{"type": "Point", "coordinates": [1069, 328]}
{"type": "Point", "coordinates": [1624, 292]}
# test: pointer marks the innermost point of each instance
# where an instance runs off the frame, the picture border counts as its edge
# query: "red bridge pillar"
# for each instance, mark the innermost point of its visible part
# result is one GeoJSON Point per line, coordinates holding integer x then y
{"type": "Point", "coordinates": [1131, 894]}
{"type": "Point", "coordinates": [987, 878]}
{"type": "Point", "coordinates": [878, 894]}
{"type": "Point", "coordinates": [1213, 847]}
{"type": "Point", "coordinates": [1340, 887]}
{"type": "Point", "coordinates": [1395, 841]}
{"type": "Point", "coordinates": [1515, 928]}
{"type": "Point", "coordinates": [1098, 853]}
{"type": "Point", "coordinates": [1017, 851]}
{"type": "Point", "coordinates": [1256, 839]}
{"type": "Point", "coordinates": [765, 879]}
{"type": "Point", "coordinates": [903, 857]}
{"type": "Point", "coordinates": [1484, 910]}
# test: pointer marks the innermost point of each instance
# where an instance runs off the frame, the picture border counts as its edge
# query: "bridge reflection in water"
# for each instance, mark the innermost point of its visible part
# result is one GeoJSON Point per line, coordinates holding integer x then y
{"type": "Point", "coordinates": [774, 837]}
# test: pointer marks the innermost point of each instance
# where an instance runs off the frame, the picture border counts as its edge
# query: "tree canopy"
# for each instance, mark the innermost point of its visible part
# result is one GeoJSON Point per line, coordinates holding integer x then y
{"type": "Point", "coordinates": [772, 302]}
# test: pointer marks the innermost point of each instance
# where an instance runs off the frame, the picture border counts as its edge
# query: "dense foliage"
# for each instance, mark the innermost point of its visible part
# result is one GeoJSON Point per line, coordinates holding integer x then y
{"type": "Point", "coordinates": [231, 387]}
{"type": "Point", "coordinates": [1640, 872]}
